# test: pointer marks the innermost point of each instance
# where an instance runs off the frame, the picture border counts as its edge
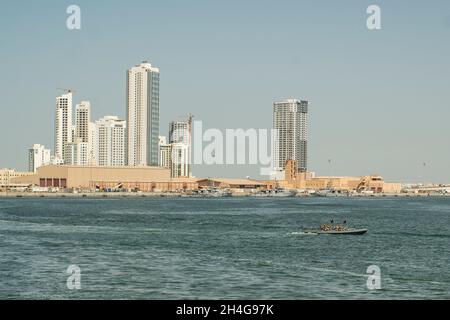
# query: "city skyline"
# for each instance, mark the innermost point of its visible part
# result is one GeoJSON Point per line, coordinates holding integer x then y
{"type": "Point", "coordinates": [233, 158]}
{"type": "Point", "coordinates": [380, 98]}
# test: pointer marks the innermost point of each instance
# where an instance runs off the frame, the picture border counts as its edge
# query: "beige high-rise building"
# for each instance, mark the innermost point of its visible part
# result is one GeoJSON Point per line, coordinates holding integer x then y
{"type": "Point", "coordinates": [63, 124]}
{"type": "Point", "coordinates": [142, 115]}
{"type": "Point", "coordinates": [82, 121]}
{"type": "Point", "coordinates": [84, 129]}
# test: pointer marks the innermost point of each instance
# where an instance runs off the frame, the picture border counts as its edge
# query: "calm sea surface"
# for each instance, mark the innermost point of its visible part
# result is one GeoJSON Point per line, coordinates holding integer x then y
{"type": "Point", "coordinates": [227, 248]}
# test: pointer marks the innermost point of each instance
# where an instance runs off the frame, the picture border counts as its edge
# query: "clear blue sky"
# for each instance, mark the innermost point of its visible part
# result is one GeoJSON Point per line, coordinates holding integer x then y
{"type": "Point", "coordinates": [380, 100]}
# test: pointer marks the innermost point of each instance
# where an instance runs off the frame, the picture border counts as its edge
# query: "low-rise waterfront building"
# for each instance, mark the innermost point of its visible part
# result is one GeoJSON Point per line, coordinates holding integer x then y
{"type": "Point", "coordinates": [131, 178]}
{"type": "Point", "coordinates": [97, 177]}
{"type": "Point", "coordinates": [305, 180]}
{"type": "Point", "coordinates": [7, 177]}
{"type": "Point", "coordinates": [227, 183]}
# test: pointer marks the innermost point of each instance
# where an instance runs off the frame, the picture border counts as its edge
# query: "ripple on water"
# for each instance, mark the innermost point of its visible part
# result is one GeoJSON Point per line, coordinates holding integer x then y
{"type": "Point", "coordinates": [223, 248]}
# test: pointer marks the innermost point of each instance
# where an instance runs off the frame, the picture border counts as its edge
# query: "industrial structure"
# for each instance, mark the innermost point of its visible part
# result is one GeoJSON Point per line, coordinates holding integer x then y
{"type": "Point", "coordinates": [296, 179]}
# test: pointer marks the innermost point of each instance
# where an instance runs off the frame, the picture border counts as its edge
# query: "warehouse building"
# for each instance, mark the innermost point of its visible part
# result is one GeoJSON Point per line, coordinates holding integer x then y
{"type": "Point", "coordinates": [91, 177]}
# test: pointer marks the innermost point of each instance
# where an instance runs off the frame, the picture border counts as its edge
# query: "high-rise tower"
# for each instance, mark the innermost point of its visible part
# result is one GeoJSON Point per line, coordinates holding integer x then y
{"type": "Point", "coordinates": [291, 125]}
{"type": "Point", "coordinates": [63, 124]}
{"type": "Point", "coordinates": [142, 115]}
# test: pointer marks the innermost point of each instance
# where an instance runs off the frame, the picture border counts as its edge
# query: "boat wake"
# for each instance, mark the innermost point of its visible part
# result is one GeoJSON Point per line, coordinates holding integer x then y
{"type": "Point", "coordinates": [301, 233]}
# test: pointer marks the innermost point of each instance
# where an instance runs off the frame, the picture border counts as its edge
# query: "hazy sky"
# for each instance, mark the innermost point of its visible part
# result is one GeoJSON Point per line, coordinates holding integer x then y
{"type": "Point", "coordinates": [379, 100]}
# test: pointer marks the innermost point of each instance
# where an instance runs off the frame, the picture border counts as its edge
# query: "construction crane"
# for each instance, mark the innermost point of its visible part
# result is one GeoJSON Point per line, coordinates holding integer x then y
{"type": "Point", "coordinates": [182, 117]}
{"type": "Point", "coordinates": [190, 117]}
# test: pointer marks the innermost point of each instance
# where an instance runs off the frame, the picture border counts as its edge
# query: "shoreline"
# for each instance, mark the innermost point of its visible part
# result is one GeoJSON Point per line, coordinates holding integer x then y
{"type": "Point", "coordinates": [131, 195]}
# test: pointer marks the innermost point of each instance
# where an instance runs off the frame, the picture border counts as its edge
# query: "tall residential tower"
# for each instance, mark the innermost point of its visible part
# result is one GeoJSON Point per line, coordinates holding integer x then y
{"type": "Point", "coordinates": [142, 115]}
{"type": "Point", "coordinates": [63, 124]}
{"type": "Point", "coordinates": [110, 145]}
{"type": "Point", "coordinates": [180, 133]}
{"type": "Point", "coordinates": [82, 120]}
{"type": "Point", "coordinates": [291, 141]}
{"type": "Point", "coordinates": [84, 130]}
{"type": "Point", "coordinates": [38, 156]}
{"type": "Point", "coordinates": [164, 152]}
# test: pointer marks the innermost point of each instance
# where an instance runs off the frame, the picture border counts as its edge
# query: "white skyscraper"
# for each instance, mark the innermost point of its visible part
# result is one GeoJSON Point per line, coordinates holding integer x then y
{"type": "Point", "coordinates": [180, 165]}
{"type": "Point", "coordinates": [180, 131]}
{"type": "Point", "coordinates": [63, 124]}
{"type": "Point", "coordinates": [82, 120]}
{"type": "Point", "coordinates": [77, 153]}
{"type": "Point", "coordinates": [164, 152]}
{"type": "Point", "coordinates": [84, 129]}
{"type": "Point", "coordinates": [110, 141]}
{"type": "Point", "coordinates": [142, 115]}
{"type": "Point", "coordinates": [38, 156]}
{"type": "Point", "coordinates": [180, 145]}
{"type": "Point", "coordinates": [291, 142]}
